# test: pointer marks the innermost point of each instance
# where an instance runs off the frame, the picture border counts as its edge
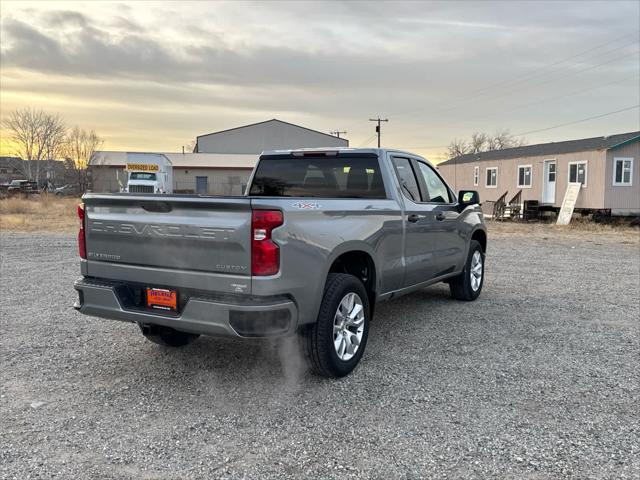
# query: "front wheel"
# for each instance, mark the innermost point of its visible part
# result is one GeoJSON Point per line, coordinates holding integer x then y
{"type": "Point", "coordinates": [468, 285]}
{"type": "Point", "coordinates": [334, 345]}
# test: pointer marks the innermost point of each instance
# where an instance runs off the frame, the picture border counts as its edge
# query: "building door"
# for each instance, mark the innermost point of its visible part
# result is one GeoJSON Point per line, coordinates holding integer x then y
{"type": "Point", "coordinates": [201, 185]}
{"type": "Point", "coordinates": [549, 188]}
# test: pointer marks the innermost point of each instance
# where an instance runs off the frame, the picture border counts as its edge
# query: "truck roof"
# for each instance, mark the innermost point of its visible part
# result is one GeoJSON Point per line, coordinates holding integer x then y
{"type": "Point", "coordinates": [338, 150]}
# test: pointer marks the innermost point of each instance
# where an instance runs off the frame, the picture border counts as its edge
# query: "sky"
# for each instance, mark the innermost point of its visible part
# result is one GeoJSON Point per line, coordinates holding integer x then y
{"type": "Point", "coordinates": [151, 76]}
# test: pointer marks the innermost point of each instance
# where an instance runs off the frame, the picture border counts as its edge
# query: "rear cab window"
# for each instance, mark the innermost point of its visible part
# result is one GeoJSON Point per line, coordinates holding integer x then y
{"type": "Point", "coordinates": [337, 176]}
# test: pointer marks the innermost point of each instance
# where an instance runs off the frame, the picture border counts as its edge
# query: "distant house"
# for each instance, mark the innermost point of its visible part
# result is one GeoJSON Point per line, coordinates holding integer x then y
{"type": "Point", "coordinates": [268, 135]}
{"type": "Point", "coordinates": [47, 171]}
{"type": "Point", "coordinates": [10, 169]}
{"type": "Point", "coordinates": [607, 167]}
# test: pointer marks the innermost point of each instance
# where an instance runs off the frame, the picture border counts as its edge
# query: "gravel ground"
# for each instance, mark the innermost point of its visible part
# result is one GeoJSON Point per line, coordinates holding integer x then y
{"type": "Point", "coordinates": [536, 379]}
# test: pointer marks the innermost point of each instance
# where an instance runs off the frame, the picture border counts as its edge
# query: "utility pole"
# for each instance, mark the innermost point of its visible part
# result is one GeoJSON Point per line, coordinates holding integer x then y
{"type": "Point", "coordinates": [378, 126]}
{"type": "Point", "coordinates": [338, 132]}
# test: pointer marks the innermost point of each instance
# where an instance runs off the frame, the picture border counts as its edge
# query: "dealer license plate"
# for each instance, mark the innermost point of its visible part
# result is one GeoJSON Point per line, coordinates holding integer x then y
{"type": "Point", "coordinates": [162, 299]}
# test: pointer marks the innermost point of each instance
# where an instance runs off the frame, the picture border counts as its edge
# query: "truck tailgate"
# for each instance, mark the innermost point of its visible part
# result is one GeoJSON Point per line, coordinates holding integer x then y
{"type": "Point", "coordinates": [203, 235]}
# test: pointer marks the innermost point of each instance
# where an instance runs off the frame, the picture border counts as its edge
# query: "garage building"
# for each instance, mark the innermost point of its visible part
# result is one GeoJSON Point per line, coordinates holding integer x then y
{"type": "Point", "coordinates": [222, 161]}
{"type": "Point", "coordinates": [269, 135]}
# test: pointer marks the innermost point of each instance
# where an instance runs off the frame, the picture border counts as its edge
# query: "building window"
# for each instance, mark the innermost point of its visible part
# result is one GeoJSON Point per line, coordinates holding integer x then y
{"type": "Point", "coordinates": [622, 172]}
{"type": "Point", "coordinates": [492, 177]}
{"type": "Point", "coordinates": [3, 170]}
{"type": "Point", "coordinates": [578, 173]}
{"type": "Point", "coordinates": [524, 176]}
{"type": "Point", "coordinates": [476, 176]}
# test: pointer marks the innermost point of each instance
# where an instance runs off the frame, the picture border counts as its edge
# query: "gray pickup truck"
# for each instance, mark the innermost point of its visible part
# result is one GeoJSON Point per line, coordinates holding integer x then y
{"type": "Point", "coordinates": [320, 238]}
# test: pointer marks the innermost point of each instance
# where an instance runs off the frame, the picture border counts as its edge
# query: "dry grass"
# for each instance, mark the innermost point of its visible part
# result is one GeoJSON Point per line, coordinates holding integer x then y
{"type": "Point", "coordinates": [47, 213]}
{"type": "Point", "coordinates": [42, 213]}
{"type": "Point", "coordinates": [578, 229]}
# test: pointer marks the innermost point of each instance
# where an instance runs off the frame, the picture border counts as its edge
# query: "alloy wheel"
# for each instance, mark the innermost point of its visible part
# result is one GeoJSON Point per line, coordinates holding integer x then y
{"type": "Point", "coordinates": [348, 326]}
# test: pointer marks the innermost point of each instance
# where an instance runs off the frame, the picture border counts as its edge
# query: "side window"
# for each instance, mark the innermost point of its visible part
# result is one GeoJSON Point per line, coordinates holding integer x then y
{"type": "Point", "coordinates": [524, 176]}
{"type": "Point", "coordinates": [437, 191]}
{"type": "Point", "coordinates": [578, 173]}
{"type": "Point", "coordinates": [407, 179]}
{"type": "Point", "coordinates": [492, 177]}
{"type": "Point", "coordinates": [622, 172]}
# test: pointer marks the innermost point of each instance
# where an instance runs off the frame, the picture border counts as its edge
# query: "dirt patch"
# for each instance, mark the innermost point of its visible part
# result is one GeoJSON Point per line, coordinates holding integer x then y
{"type": "Point", "coordinates": [583, 230]}
{"type": "Point", "coordinates": [536, 379]}
{"type": "Point", "coordinates": [41, 213]}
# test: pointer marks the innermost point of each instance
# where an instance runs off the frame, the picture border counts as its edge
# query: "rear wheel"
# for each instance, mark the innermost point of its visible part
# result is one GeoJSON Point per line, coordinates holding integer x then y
{"type": "Point", "coordinates": [335, 344]}
{"type": "Point", "coordinates": [468, 285]}
{"type": "Point", "coordinates": [167, 337]}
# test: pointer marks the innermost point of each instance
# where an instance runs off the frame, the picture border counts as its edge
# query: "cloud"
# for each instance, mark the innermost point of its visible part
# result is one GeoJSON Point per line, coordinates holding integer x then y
{"type": "Point", "coordinates": [330, 63]}
{"type": "Point", "coordinates": [66, 18]}
{"type": "Point", "coordinates": [95, 52]}
{"type": "Point", "coordinates": [419, 43]}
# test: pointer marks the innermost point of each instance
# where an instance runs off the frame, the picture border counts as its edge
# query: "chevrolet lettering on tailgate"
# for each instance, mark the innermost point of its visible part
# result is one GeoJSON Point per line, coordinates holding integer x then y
{"type": "Point", "coordinates": [159, 230]}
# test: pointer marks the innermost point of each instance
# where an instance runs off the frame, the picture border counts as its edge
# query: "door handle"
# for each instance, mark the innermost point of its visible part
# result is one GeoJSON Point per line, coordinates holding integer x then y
{"type": "Point", "coordinates": [440, 216]}
{"type": "Point", "coordinates": [413, 218]}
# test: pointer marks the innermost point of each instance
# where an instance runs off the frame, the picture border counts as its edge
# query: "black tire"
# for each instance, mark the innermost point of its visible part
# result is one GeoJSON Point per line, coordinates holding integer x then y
{"type": "Point", "coordinates": [167, 337]}
{"type": "Point", "coordinates": [318, 339]}
{"type": "Point", "coordinates": [460, 285]}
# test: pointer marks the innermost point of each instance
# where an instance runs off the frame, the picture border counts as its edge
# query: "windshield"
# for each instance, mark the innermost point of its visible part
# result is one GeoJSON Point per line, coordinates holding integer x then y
{"type": "Point", "coordinates": [142, 176]}
{"type": "Point", "coordinates": [328, 177]}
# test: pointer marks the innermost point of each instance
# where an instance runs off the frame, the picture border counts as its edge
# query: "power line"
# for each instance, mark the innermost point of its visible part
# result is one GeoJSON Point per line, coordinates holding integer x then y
{"type": "Point", "coordinates": [547, 128]}
{"type": "Point", "coordinates": [541, 70]}
{"type": "Point", "coordinates": [364, 144]}
{"type": "Point", "coordinates": [529, 76]}
{"type": "Point", "coordinates": [563, 60]}
{"type": "Point", "coordinates": [337, 133]}
{"type": "Point", "coordinates": [549, 99]}
{"type": "Point", "coordinates": [575, 72]}
{"type": "Point", "coordinates": [578, 121]}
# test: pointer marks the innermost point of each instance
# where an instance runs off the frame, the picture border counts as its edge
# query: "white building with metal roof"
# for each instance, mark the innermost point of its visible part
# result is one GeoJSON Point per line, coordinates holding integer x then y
{"type": "Point", "coordinates": [223, 160]}
{"type": "Point", "coordinates": [203, 173]}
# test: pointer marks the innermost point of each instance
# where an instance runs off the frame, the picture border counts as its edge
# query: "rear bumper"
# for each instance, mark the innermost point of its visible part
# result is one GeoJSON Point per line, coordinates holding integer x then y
{"type": "Point", "coordinates": [202, 313]}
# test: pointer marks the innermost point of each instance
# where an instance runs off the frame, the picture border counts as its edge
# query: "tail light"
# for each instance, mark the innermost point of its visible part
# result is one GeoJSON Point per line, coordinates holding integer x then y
{"type": "Point", "coordinates": [265, 254]}
{"type": "Point", "coordinates": [82, 244]}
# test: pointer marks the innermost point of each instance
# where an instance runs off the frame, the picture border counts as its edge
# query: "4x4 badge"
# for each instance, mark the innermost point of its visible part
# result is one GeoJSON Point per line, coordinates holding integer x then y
{"type": "Point", "coordinates": [306, 205]}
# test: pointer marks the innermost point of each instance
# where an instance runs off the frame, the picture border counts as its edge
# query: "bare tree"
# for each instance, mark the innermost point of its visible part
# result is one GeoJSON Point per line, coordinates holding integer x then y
{"type": "Point", "coordinates": [36, 136]}
{"type": "Point", "coordinates": [457, 148]}
{"type": "Point", "coordinates": [479, 142]}
{"type": "Point", "coordinates": [502, 139]}
{"type": "Point", "coordinates": [79, 148]}
{"type": "Point", "coordinates": [483, 142]}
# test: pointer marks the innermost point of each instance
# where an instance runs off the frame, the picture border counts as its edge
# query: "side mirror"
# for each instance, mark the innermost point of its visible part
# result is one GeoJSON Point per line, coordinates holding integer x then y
{"type": "Point", "coordinates": [468, 197]}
